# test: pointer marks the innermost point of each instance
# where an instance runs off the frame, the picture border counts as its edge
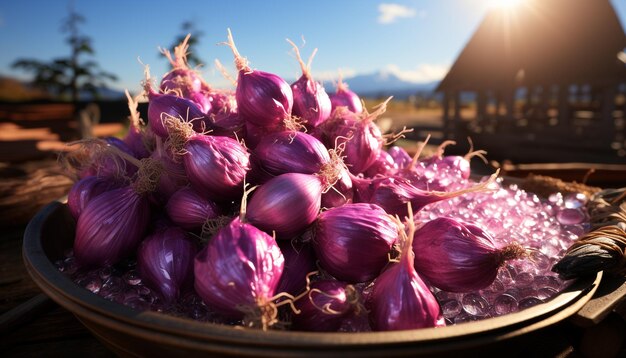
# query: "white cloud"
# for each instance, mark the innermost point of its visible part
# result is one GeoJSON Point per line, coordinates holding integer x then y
{"type": "Point", "coordinates": [421, 73]}
{"type": "Point", "coordinates": [389, 13]}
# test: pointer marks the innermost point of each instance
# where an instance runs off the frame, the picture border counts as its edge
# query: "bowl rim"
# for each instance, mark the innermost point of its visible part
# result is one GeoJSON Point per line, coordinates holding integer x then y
{"type": "Point", "coordinates": [83, 303]}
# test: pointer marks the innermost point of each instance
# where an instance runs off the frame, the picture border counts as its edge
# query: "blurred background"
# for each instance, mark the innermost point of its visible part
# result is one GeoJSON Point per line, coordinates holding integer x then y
{"type": "Point", "coordinates": [539, 84]}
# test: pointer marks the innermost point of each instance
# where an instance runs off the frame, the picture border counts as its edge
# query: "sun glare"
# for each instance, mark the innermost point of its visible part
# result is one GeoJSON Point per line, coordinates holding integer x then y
{"type": "Point", "coordinates": [505, 4]}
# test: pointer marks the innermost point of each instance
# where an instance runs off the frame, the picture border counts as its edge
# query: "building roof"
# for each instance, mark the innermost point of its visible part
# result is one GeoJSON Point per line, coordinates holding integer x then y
{"type": "Point", "coordinates": [542, 42]}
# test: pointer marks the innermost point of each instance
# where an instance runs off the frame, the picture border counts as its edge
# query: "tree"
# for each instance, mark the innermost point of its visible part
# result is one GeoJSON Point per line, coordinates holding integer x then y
{"type": "Point", "coordinates": [69, 75]}
{"type": "Point", "coordinates": [188, 27]}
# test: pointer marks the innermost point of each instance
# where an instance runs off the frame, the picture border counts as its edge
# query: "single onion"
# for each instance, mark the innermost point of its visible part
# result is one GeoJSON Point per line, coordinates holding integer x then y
{"type": "Point", "coordinates": [165, 262]}
{"type": "Point", "coordinates": [359, 136]}
{"type": "Point", "coordinates": [263, 99]}
{"type": "Point", "coordinates": [352, 241]}
{"type": "Point", "coordinates": [215, 166]}
{"type": "Point", "coordinates": [113, 223]}
{"type": "Point", "coordinates": [84, 190]}
{"type": "Point", "coordinates": [111, 227]}
{"type": "Point", "coordinates": [136, 138]}
{"type": "Point", "coordinates": [459, 257]}
{"type": "Point", "coordinates": [344, 97]}
{"type": "Point", "coordinates": [181, 78]}
{"type": "Point", "coordinates": [286, 204]}
{"type": "Point", "coordinates": [288, 152]}
{"type": "Point", "coordinates": [101, 157]}
{"type": "Point", "coordinates": [237, 273]}
{"type": "Point", "coordinates": [400, 299]}
{"type": "Point", "coordinates": [163, 106]}
{"type": "Point", "coordinates": [326, 305]}
{"type": "Point", "coordinates": [310, 101]}
{"type": "Point", "coordinates": [189, 210]}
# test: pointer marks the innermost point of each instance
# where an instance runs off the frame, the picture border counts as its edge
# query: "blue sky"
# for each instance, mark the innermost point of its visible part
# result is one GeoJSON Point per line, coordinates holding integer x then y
{"type": "Point", "coordinates": [354, 36]}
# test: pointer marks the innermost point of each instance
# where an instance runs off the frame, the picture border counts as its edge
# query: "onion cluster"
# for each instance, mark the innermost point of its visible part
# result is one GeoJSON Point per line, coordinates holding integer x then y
{"type": "Point", "coordinates": [327, 228]}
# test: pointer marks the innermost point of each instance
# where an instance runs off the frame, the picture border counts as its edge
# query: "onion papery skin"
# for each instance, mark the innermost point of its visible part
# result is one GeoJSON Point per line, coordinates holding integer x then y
{"type": "Point", "coordinates": [455, 256]}
{"type": "Point", "coordinates": [111, 227]}
{"type": "Point", "coordinates": [299, 262]}
{"type": "Point", "coordinates": [216, 166]}
{"type": "Point", "coordinates": [189, 210]}
{"type": "Point", "coordinates": [84, 190]}
{"type": "Point", "coordinates": [341, 192]}
{"type": "Point", "coordinates": [401, 300]}
{"type": "Point", "coordinates": [362, 139]}
{"type": "Point", "coordinates": [165, 262]}
{"type": "Point", "coordinates": [325, 306]}
{"type": "Point", "coordinates": [310, 101]}
{"type": "Point", "coordinates": [352, 241]}
{"type": "Point", "coordinates": [183, 80]}
{"type": "Point", "coordinates": [286, 204]}
{"type": "Point", "coordinates": [180, 108]}
{"type": "Point", "coordinates": [173, 176]}
{"type": "Point", "coordinates": [344, 97]}
{"type": "Point", "coordinates": [263, 99]}
{"type": "Point", "coordinates": [109, 164]}
{"type": "Point", "coordinates": [239, 268]}
{"type": "Point", "coordinates": [135, 140]}
{"type": "Point", "coordinates": [289, 152]}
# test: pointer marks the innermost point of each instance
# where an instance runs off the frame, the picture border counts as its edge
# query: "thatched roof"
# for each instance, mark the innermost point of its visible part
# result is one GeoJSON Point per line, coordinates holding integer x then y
{"type": "Point", "coordinates": [546, 41]}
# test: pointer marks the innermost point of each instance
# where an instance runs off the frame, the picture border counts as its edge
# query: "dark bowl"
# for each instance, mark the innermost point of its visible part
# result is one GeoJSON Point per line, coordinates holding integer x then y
{"type": "Point", "coordinates": [132, 333]}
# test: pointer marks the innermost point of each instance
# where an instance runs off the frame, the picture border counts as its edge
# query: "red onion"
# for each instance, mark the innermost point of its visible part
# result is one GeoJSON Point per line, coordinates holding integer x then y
{"type": "Point", "coordinates": [162, 106]}
{"type": "Point", "coordinates": [352, 241]}
{"type": "Point", "coordinates": [84, 190]}
{"type": "Point", "coordinates": [286, 204]}
{"type": "Point", "coordinates": [165, 262]}
{"type": "Point", "coordinates": [400, 157]}
{"type": "Point", "coordinates": [111, 227]}
{"type": "Point", "coordinates": [228, 124]}
{"type": "Point", "coordinates": [393, 193]}
{"type": "Point", "coordinates": [343, 97]}
{"type": "Point", "coordinates": [400, 299]}
{"type": "Point", "coordinates": [182, 78]}
{"type": "Point", "coordinates": [288, 152]}
{"type": "Point", "coordinates": [189, 210]}
{"type": "Point", "coordinates": [310, 101]}
{"type": "Point", "coordinates": [101, 157]}
{"type": "Point", "coordinates": [383, 165]}
{"type": "Point", "coordinates": [216, 166]}
{"type": "Point", "coordinates": [459, 257]}
{"type": "Point", "coordinates": [340, 193]}
{"type": "Point", "coordinates": [173, 176]}
{"type": "Point", "coordinates": [361, 137]}
{"type": "Point", "coordinates": [113, 223]}
{"type": "Point", "coordinates": [136, 139]}
{"type": "Point", "coordinates": [237, 273]}
{"type": "Point", "coordinates": [326, 305]}
{"type": "Point", "coordinates": [299, 262]}
{"type": "Point", "coordinates": [263, 99]}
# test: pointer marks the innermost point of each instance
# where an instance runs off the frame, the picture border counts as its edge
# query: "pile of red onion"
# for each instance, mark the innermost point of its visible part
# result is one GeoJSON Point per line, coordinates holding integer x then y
{"type": "Point", "coordinates": [223, 209]}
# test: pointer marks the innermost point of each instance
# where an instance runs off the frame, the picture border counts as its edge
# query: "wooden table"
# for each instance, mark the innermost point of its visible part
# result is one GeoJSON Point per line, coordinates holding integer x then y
{"type": "Point", "coordinates": [31, 325]}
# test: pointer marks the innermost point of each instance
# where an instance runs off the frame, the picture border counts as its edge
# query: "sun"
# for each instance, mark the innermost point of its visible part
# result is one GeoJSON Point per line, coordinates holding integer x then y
{"type": "Point", "coordinates": [505, 4]}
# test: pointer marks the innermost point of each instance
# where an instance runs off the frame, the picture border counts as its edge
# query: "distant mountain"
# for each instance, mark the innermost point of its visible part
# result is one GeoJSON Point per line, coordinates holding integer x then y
{"type": "Point", "coordinates": [384, 83]}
